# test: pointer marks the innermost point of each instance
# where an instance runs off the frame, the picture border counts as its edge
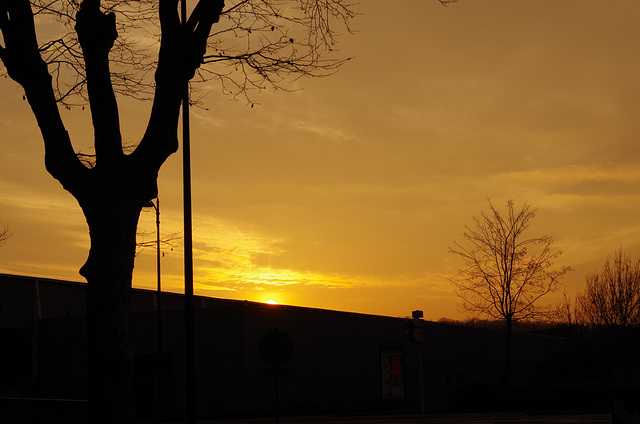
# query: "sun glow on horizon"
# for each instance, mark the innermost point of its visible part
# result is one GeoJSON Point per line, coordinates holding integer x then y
{"type": "Point", "coordinates": [271, 302]}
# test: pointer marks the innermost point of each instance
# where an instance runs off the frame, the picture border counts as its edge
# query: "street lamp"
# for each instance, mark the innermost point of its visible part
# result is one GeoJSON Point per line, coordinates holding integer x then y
{"type": "Point", "coordinates": [156, 207]}
{"type": "Point", "coordinates": [417, 333]}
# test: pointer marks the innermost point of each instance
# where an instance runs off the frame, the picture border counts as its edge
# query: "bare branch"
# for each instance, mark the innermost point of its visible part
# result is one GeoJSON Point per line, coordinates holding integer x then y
{"type": "Point", "coordinates": [167, 242]}
{"type": "Point", "coordinates": [256, 44]}
{"type": "Point", "coordinates": [5, 234]}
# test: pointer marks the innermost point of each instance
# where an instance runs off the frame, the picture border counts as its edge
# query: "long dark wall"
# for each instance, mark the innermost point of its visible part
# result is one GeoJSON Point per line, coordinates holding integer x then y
{"type": "Point", "coordinates": [335, 362]}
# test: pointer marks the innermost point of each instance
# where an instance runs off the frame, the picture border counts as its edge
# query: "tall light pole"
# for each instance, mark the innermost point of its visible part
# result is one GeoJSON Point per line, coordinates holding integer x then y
{"type": "Point", "coordinates": [159, 284]}
{"type": "Point", "coordinates": [189, 336]}
{"type": "Point", "coordinates": [159, 363]}
{"type": "Point", "coordinates": [418, 335]}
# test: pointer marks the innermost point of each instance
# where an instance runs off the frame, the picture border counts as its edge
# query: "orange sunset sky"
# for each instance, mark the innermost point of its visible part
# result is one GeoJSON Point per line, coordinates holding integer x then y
{"type": "Point", "coordinates": [346, 193]}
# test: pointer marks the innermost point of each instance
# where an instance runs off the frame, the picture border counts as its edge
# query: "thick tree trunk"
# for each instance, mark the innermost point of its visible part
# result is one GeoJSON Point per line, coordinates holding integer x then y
{"type": "Point", "coordinates": [113, 192]}
{"type": "Point", "coordinates": [108, 271]}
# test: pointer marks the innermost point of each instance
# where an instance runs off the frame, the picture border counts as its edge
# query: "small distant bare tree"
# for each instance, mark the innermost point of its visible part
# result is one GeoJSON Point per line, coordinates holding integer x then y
{"type": "Point", "coordinates": [567, 312]}
{"type": "Point", "coordinates": [612, 296]}
{"type": "Point", "coordinates": [5, 234]}
{"type": "Point", "coordinates": [610, 305]}
{"type": "Point", "coordinates": [505, 273]}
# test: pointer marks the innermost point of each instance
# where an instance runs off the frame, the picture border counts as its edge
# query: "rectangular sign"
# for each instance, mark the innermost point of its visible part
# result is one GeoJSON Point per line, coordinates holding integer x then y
{"type": "Point", "coordinates": [392, 374]}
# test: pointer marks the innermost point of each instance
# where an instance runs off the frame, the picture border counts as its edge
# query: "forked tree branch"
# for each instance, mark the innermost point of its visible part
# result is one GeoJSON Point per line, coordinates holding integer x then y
{"type": "Point", "coordinates": [181, 53]}
{"type": "Point", "coordinates": [97, 34]}
{"type": "Point", "coordinates": [21, 57]}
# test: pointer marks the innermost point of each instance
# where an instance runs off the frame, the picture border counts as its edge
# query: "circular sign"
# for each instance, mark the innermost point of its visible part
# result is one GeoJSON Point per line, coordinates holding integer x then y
{"type": "Point", "coordinates": [276, 349]}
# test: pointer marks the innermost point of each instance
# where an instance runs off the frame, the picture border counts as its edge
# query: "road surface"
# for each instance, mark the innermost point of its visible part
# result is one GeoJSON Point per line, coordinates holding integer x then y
{"type": "Point", "coordinates": [506, 418]}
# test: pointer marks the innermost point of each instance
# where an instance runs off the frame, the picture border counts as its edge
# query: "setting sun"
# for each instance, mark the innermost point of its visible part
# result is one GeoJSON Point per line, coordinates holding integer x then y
{"type": "Point", "coordinates": [271, 302]}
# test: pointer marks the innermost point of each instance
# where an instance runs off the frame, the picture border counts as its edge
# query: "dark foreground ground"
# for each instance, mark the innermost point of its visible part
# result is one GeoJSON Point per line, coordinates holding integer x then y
{"type": "Point", "coordinates": [498, 418]}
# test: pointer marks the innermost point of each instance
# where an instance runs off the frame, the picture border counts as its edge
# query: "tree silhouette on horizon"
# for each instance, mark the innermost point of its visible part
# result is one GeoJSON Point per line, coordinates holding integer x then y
{"type": "Point", "coordinates": [505, 272]}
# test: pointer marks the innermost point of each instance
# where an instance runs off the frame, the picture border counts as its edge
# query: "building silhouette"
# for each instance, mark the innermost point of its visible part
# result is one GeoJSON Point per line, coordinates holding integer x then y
{"type": "Point", "coordinates": [324, 361]}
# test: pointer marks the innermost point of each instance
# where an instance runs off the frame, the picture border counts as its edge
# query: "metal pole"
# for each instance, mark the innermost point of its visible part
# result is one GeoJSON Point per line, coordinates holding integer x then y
{"type": "Point", "coordinates": [421, 378]}
{"type": "Point", "coordinates": [276, 372]}
{"type": "Point", "coordinates": [188, 251]}
{"type": "Point", "coordinates": [159, 310]}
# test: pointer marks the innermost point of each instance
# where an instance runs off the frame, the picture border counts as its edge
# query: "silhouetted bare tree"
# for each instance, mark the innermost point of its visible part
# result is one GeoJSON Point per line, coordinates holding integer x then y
{"type": "Point", "coordinates": [505, 273]}
{"type": "Point", "coordinates": [612, 296]}
{"type": "Point", "coordinates": [566, 311]}
{"type": "Point", "coordinates": [610, 305]}
{"type": "Point", "coordinates": [256, 43]}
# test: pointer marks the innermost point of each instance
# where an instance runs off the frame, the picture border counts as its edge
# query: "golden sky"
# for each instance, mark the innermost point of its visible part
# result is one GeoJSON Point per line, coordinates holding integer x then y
{"type": "Point", "coordinates": [347, 193]}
